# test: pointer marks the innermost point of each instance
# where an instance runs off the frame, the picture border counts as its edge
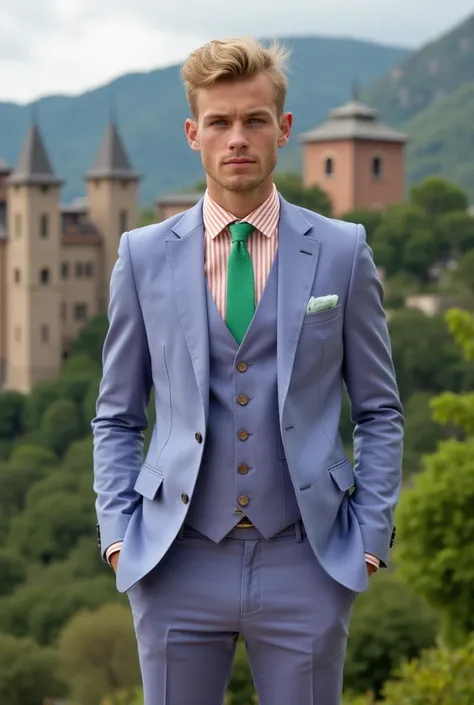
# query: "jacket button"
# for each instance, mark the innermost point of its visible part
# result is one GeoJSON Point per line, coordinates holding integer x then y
{"type": "Point", "coordinates": [198, 437]}
{"type": "Point", "coordinates": [243, 469]}
{"type": "Point", "coordinates": [184, 498]}
{"type": "Point", "coordinates": [243, 435]}
{"type": "Point", "coordinates": [243, 399]}
{"type": "Point", "coordinates": [242, 366]}
{"type": "Point", "coordinates": [243, 500]}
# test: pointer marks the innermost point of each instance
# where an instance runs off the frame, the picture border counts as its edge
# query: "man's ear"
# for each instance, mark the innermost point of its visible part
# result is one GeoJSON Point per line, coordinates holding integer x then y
{"type": "Point", "coordinates": [190, 127]}
{"type": "Point", "coordinates": [286, 121]}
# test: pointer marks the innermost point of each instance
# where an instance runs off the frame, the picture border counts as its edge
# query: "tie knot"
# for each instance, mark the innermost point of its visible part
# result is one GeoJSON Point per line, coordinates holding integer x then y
{"type": "Point", "coordinates": [241, 231]}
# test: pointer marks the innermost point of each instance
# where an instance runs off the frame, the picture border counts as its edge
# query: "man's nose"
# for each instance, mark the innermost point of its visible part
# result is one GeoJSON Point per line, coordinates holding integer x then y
{"type": "Point", "coordinates": [237, 138]}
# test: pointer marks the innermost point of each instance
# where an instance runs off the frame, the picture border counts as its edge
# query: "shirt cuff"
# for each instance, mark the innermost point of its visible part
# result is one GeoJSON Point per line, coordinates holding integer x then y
{"type": "Point", "coordinates": [373, 560]}
{"type": "Point", "coordinates": [113, 549]}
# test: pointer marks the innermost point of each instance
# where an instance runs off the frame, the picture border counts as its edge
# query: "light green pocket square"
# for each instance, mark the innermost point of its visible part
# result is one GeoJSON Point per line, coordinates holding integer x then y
{"type": "Point", "coordinates": [321, 303]}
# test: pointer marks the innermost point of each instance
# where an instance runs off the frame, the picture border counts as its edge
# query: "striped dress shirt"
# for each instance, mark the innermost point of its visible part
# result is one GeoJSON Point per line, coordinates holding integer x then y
{"type": "Point", "coordinates": [262, 245]}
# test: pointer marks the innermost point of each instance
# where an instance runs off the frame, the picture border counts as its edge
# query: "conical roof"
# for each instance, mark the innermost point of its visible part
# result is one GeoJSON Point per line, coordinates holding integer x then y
{"type": "Point", "coordinates": [112, 160]}
{"type": "Point", "coordinates": [34, 166]}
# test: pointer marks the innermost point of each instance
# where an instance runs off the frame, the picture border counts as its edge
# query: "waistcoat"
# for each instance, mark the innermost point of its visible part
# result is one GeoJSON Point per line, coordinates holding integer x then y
{"type": "Point", "coordinates": [244, 471]}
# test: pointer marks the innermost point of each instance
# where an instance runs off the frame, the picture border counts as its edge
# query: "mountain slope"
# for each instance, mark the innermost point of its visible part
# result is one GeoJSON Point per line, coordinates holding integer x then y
{"type": "Point", "coordinates": [151, 110]}
{"type": "Point", "coordinates": [420, 79]}
{"type": "Point", "coordinates": [442, 140]}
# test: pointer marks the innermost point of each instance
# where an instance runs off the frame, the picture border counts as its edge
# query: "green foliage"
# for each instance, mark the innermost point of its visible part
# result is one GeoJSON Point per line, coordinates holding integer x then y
{"type": "Point", "coordinates": [40, 398]}
{"type": "Point", "coordinates": [241, 689]}
{"type": "Point", "coordinates": [61, 425]}
{"type": "Point", "coordinates": [456, 233]}
{"type": "Point", "coordinates": [439, 677]}
{"type": "Point", "coordinates": [27, 672]}
{"type": "Point", "coordinates": [12, 572]}
{"type": "Point", "coordinates": [98, 656]}
{"type": "Point", "coordinates": [404, 626]}
{"type": "Point", "coordinates": [12, 414]}
{"type": "Point", "coordinates": [41, 611]}
{"type": "Point", "coordinates": [291, 187]}
{"type": "Point", "coordinates": [90, 340]}
{"type": "Point", "coordinates": [438, 197]}
{"type": "Point", "coordinates": [367, 217]}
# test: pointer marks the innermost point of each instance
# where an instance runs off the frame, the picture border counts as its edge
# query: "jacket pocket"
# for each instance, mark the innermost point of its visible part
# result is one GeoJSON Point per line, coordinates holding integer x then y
{"type": "Point", "coordinates": [343, 475]}
{"type": "Point", "coordinates": [148, 482]}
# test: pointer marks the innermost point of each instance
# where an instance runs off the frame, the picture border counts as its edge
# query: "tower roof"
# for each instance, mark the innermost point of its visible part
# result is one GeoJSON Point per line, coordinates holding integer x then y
{"type": "Point", "coordinates": [112, 161]}
{"type": "Point", "coordinates": [4, 168]}
{"type": "Point", "coordinates": [34, 166]}
{"type": "Point", "coordinates": [353, 121]}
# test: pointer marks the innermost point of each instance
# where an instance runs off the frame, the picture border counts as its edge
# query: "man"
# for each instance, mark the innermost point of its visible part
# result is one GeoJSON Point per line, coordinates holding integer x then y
{"type": "Point", "coordinates": [245, 315]}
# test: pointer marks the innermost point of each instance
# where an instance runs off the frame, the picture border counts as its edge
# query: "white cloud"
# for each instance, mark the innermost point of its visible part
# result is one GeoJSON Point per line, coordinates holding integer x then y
{"type": "Point", "coordinates": [67, 46]}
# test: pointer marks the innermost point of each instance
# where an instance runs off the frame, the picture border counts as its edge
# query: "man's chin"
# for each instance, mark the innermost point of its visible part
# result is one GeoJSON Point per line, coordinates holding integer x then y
{"type": "Point", "coordinates": [241, 183]}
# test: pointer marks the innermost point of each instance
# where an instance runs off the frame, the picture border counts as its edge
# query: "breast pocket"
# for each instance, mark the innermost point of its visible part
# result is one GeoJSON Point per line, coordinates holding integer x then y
{"type": "Point", "coordinates": [330, 314]}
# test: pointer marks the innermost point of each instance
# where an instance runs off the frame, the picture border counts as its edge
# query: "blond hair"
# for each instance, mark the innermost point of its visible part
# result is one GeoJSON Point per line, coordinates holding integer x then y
{"type": "Point", "coordinates": [234, 59]}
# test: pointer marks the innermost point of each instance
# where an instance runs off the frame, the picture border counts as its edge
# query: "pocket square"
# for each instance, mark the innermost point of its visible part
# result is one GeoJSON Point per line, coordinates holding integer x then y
{"type": "Point", "coordinates": [321, 303]}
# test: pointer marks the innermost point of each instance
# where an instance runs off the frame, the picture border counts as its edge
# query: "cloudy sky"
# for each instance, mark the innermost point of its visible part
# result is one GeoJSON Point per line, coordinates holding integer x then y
{"type": "Point", "coordinates": [68, 46]}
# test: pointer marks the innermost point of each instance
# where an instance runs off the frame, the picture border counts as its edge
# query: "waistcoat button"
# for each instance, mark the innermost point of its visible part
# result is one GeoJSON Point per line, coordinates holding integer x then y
{"type": "Point", "coordinates": [243, 469]}
{"type": "Point", "coordinates": [243, 500]}
{"type": "Point", "coordinates": [243, 435]}
{"type": "Point", "coordinates": [243, 399]}
{"type": "Point", "coordinates": [242, 366]}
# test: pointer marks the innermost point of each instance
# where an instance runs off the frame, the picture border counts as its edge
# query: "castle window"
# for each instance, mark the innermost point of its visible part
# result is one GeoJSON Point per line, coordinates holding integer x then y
{"type": "Point", "coordinates": [329, 166]}
{"type": "Point", "coordinates": [79, 270]}
{"type": "Point", "coordinates": [44, 275]}
{"type": "Point", "coordinates": [17, 276]}
{"type": "Point", "coordinates": [80, 312]}
{"type": "Point", "coordinates": [377, 167]}
{"type": "Point", "coordinates": [89, 269]}
{"type": "Point", "coordinates": [44, 334]}
{"type": "Point", "coordinates": [17, 224]}
{"type": "Point", "coordinates": [123, 221]}
{"type": "Point", "coordinates": [65, 270]}
{"type": "Point", "coordinates": [44, 225]}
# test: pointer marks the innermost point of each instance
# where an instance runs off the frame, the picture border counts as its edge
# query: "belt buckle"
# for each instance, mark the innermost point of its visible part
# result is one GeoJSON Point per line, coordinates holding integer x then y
{"type": "Point", "coordinates": [245, 525]}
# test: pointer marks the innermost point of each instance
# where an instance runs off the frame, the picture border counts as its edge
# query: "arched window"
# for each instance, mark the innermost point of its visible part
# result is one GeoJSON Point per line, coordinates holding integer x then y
{"type": "Point", "coordinates": [44, 275]}
{"type": "Point", "coordinates": [377, 167]}
{"type": "Point", "coordinates": [44, 225]}
{"type": "Point", "coordinates": [329, 166]}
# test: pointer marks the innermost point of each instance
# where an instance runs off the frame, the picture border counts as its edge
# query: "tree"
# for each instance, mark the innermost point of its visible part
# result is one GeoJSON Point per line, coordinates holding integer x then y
{"type": "Point", "coordinates": [464, 272]}
{"type": "Point", "coordinates": [12, 413]}
{"type": "Point", "coordinates": [12, 572]}
{"type": "Point", "coordinates": [456, 233]}
{"type": "Point", "coordinates": [405, 626]}
{"type": "Point", "coordinates": [61, 425]}
{"type": "Point", "coordinates": [41, 396]}
{"type": "Point", "coordinates": [28, 673]}
{"type": "Point", "coordinates": [405, 242]}
{"type": "Point", "coordinates": [436, 197]}
{"type": "Point", "coordinates": [91, 338]}
{"type": "Point", "coordinates": [241, 688]}
{"type": "Point", "coordinates": [311, 197]}
{"type": "Point", "coordinates": [367, 217]}
{"type": "Point", "coordinates": [98, 654]}
{"type": "Point", "coordinates": [439, 677]}
{"type": "Point", "coordinates": [436, 551]}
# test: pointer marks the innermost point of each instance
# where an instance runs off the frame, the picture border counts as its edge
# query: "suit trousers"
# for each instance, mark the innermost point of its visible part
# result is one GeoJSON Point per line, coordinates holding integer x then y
{"type": "Point", "coordinates": [190, 609]}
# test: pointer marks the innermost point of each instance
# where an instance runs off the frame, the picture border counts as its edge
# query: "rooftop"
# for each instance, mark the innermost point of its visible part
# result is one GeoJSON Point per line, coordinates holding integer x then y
{"type": "Point", "coordinates": [112, 159]}
{"type": "Point", "coordinates": [34, 166]}
{"type": "Point", "coordinates": [353, 121]}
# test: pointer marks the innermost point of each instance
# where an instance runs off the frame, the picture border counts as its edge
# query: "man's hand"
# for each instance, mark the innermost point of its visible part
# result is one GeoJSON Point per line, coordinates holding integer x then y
{"type": "Point", "coordinates": [114, 559]}
{"type": "Point", "coordinates": [370, 567]}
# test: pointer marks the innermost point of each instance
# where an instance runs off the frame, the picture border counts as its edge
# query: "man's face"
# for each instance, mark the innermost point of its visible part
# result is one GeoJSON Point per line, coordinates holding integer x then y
{"type": "Point", "coordinates": [238, 132]}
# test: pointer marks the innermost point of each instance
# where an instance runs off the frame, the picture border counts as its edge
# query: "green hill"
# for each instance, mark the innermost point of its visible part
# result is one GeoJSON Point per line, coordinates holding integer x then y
{"type": "Point", "coordinates": [422, 78]}
{"type": "Point", "coordinates": [151, 110]}
{"type": "Point", "coordinates": [442, 140]}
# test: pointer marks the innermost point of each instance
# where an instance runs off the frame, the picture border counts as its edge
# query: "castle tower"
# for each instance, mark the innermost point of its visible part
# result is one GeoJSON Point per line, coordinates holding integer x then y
{"type": "Point", "coordinates": [4, 174]}
{"type": "Point", "coordinates": [32, 269]}
{"type": "Point", "coordinates": [356, 159]}
{"type": "Point", "coordinates": [112, 199]}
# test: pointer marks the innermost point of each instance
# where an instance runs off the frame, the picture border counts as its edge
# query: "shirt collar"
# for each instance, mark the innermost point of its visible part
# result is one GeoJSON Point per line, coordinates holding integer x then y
{"type": "Point", "coordinates": [264, 218]}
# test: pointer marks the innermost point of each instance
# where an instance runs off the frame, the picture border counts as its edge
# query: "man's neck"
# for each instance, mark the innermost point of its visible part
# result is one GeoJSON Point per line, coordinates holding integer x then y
{"type": "Point", "coordinates": [239, 204]}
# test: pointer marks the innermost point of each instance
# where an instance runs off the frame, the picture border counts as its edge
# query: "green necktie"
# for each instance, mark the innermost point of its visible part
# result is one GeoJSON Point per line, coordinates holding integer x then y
{"type": "Point", "coordinates": [240, 282]}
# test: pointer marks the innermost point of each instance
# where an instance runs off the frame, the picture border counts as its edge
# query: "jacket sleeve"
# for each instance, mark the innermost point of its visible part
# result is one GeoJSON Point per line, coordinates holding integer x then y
{"type": "Point", "coordinates": [375, 405]}
{"type": "Point", "coordinates": [121, 418]}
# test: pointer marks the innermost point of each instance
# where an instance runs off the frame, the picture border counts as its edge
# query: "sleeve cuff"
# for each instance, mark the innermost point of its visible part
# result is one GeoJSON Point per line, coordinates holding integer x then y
{"type": "Point", "coordinates": [373, 560]}
{"type": "Point", "coordinates": [112, 549]}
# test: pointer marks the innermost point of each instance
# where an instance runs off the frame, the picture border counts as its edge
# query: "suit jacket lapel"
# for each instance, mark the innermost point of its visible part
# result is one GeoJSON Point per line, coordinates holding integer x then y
{"type": "Point", "coordinates": [185, 254]}
{"type": "Point", "coordinates": [298, 254]}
